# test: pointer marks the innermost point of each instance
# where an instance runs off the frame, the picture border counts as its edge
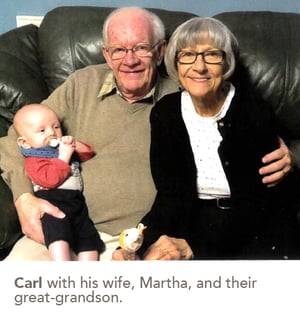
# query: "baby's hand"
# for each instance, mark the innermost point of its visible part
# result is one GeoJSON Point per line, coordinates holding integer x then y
{"type": "Point", "coordinates": [66, 148]}
{"type": "Point", "coordinates": [68, 140]}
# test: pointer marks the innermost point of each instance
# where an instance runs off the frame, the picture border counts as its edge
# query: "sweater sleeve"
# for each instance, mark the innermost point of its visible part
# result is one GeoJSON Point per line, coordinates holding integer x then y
{"type": "Point", "coordinates": [87, 154]}
{"type": "Point", "coordinates": [12, 166]}
{"type": "Point", "coordinates": [48, 173]}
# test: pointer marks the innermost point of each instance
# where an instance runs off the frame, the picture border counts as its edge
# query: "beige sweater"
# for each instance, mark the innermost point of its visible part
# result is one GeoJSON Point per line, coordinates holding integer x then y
{"type": "Point", "coordinates": [117, 182]}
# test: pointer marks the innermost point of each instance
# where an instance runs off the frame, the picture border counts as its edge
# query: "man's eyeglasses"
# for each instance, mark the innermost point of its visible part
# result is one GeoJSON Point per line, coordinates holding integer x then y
{"type": "Point", "coordinates": [209, 57]}
{"type": "Point", "coordinates": [140, 50]}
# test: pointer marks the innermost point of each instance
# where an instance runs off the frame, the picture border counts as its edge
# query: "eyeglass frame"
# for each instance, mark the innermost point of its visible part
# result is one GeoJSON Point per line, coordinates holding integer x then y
{"type": "Point", "coordinates": [151, 47]}
{"type": "Point", "coordinates": [202, 54]}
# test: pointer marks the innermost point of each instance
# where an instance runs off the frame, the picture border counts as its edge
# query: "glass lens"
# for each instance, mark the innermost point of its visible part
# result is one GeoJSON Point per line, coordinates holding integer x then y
{"type": "Point", "coordinates": [117, 52]}
{"type": "Point", "coordinates": [142, 50]}
{"type": "Point", "coordinates": [213, 57]}
{"type": "Point", "coordinates": [187, 57]}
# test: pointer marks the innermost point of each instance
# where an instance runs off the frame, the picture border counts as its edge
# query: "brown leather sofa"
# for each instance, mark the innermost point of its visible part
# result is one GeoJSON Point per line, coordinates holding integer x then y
{"type": "Point", "coordinates": [34, 61]}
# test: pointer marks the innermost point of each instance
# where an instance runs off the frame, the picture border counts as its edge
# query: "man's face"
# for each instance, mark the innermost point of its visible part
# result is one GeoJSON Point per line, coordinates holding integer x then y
{"type": "Point", "coordinates": [134, 75]}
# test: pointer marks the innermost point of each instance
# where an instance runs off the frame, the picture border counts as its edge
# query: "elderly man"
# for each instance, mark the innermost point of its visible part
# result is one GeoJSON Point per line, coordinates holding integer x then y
{"type": "Point", "coordinates": [108, 106]}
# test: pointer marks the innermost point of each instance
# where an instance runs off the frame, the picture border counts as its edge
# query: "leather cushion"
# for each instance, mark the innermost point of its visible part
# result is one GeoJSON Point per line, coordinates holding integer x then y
{"type": "Point", "coordinates": [21, 79]}
{"type": "Point", "coordinates": [270, 61]}
{"type": "Point", "coordinates": [71, 38]}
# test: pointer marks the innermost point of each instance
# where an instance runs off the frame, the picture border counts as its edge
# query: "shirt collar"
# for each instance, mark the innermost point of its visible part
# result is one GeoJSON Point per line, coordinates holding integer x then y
{"type": "Point", "coordinates": [109, 85]}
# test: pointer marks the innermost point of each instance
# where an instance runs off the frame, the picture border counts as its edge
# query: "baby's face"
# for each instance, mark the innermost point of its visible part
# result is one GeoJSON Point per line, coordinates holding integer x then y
{"type": "Point", "coordinates": [41, 128]}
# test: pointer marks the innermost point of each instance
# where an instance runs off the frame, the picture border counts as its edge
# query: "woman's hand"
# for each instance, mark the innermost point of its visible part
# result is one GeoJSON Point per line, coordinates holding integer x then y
{"type": "Point", "coordinates": [30, 211]}
{"type": "Point", "coordinates": [165, 248]}
{"type": "Point", "coordinates": [278, 165]}
{"type": "Point", "coordinates": [121, 255]}
{"type": "Point", "coordinates": [169, 248]}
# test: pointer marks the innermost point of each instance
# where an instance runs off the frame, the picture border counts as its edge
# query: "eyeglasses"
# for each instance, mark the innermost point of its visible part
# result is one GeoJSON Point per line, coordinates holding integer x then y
{"type": "Point", "coordinates": [140, 50]}
{"type": "Point", "coordinates": [213, 57]}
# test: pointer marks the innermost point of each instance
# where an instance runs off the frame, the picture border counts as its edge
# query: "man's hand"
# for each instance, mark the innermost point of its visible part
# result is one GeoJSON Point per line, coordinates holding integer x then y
{"type": "Point", "coordinates": [278, 165]}
{"type": "Point", "coordinates": [169, 248]}
{"type": "Point", "coordinates": [30, 211]}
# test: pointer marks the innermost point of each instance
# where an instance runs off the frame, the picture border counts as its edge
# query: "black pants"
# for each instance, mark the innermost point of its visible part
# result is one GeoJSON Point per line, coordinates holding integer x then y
{"type": "Point", "coordinates": [76, 228]}
{"type": "Point", "coordinates": [244, 231]}
{"type": "Point", "coordinates": [212, 229]}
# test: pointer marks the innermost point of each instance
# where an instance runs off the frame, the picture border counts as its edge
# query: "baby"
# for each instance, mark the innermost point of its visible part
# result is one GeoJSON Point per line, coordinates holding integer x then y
{"type": "Point", "coordinates": [52, 164]}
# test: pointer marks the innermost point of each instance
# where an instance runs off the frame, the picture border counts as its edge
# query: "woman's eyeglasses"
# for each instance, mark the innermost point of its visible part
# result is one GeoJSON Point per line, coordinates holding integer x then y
{"type": "Point", "coordinates": [213, 57]}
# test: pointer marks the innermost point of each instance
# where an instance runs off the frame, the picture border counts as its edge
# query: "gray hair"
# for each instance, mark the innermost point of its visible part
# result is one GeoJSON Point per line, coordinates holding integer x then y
{"type": "Point", "coordinates": [156, 24]}
{"type": "Point", "coordinates": [197, 31]}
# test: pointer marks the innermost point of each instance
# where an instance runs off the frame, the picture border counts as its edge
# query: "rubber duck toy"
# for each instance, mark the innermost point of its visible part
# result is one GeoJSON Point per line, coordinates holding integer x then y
{"type": "Point", "coordinates": [132, 239]}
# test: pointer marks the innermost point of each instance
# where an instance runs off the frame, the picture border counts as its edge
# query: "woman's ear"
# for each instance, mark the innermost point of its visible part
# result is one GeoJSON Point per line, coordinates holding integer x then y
{"type": "Point", "coordinates": [22, 142]}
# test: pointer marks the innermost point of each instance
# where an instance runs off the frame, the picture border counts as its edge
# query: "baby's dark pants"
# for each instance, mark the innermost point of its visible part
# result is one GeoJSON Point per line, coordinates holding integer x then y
{"type": "Point", "coordinates": [76, 228]}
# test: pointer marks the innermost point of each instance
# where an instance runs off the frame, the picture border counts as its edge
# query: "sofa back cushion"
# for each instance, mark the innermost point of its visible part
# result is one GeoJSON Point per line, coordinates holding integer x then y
{"type": "Point", "coordinates": [71, 38]}
{"type": "Point", "coordinates": [21, 80]}
{"type": "Point", "coordinates": [270, 61]}
{"type": "Point", "coordinates": [34, 61]}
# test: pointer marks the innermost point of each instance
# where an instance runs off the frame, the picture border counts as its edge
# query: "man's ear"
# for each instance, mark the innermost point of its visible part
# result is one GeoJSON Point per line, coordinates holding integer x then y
{"type": "Point", "coordinates": [22, 142]}
{"type": "Point", "coordinates": [106, 56]}
{"type": "Point", "coordinates": [161, 52]}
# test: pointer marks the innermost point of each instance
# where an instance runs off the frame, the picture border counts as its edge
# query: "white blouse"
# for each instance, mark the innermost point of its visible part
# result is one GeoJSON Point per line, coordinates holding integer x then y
{"type": "Point", "coordinates": [205, 140]}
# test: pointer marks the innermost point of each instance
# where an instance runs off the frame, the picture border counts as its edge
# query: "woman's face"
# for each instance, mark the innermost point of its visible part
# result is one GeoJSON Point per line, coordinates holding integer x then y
{"type": "Point", "coordinates": [201, 80]}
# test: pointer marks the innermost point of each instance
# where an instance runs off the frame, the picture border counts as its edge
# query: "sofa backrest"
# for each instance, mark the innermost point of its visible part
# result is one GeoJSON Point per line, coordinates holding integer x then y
{"type": "Point", "coordinates": [269, 64]}
{"type": "Point", "coordinates": [21, 79]}
{"type": "Point", "coordinates": [71, 38]}
{"type": "Point", "coordinates": [34, 61]}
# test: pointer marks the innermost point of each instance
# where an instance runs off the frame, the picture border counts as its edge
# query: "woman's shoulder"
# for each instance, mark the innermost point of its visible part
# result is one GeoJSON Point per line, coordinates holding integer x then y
{"type": "Point", "coordinates": [249, 110]}
{"type": "Point", "coordinates": [168, 102]}
{"type": "Point", "coordinates": [251, 105]}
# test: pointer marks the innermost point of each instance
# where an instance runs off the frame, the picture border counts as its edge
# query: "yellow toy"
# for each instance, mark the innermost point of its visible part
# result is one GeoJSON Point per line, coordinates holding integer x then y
{"type": "Point", "coordinates": [132, 239]}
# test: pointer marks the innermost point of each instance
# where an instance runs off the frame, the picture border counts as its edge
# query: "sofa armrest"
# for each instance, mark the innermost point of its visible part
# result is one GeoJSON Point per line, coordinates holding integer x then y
{"type": "Point", "coordinates": [10, 230]}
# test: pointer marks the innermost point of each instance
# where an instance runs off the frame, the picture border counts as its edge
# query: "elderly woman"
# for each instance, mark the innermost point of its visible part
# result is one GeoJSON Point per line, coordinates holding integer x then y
{"type": "Point", "coordinates": [202, 139]}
